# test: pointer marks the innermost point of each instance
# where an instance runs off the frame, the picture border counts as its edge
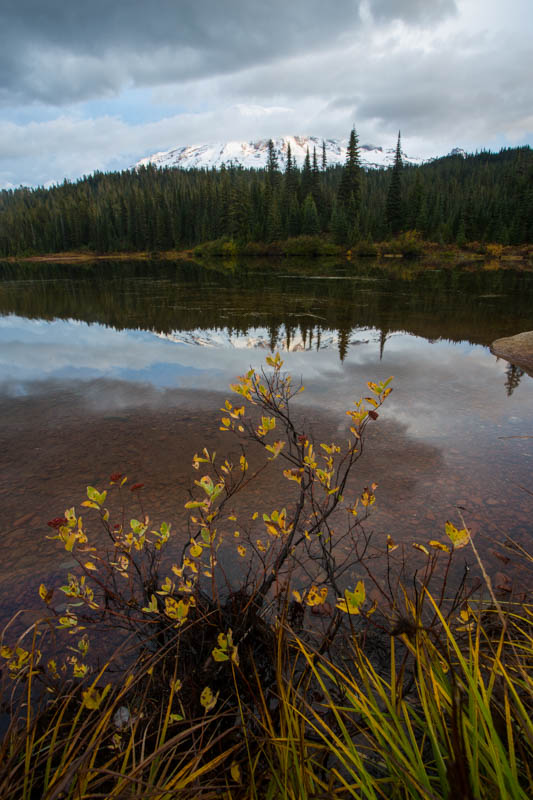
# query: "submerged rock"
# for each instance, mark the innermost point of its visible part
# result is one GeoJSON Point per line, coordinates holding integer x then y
{"type": "Point", "coordinates": [516, 349]}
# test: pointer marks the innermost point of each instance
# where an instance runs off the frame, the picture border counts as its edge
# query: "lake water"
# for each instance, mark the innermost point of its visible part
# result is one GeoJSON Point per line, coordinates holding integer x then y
{"type": "Point", "coordinates": [123, 366]}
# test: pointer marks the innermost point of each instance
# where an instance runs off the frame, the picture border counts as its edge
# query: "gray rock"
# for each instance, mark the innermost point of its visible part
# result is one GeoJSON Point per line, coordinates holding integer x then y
{"type": "Point", "coordinates": [516, 349]}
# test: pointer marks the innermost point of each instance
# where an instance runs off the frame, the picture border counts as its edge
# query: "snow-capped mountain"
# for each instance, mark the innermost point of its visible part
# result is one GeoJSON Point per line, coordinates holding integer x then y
{"type": "Point", "coordinates": [254, 154]}
{"type": "Point", "coordinates": [254, 339]}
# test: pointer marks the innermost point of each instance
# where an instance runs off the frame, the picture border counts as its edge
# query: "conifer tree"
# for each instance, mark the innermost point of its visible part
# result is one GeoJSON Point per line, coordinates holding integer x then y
{"type": "Point", "coordinates": [394, 208]}
{"type": "Point", "coordinates": [294, 224]}
{"type": "Point", "coordinates": [272, 163]}
{"type": "Point", "coordinates": [349, 195]}
{"type": "Point", "coordinates": [338, 225]}
{"type": "Point", "coordinates": [310, 221]}
{"type": "Point", "coordinates": [274, 228]}
{"type": "Point", "coordinates": [324, 156]}
{"type": "Point", "coordinates": [306, 183]}
{"type": "Point", "coordinates": [291, 174]}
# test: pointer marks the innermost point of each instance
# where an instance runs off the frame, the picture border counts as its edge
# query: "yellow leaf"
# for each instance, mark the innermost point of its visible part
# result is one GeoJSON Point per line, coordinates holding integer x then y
{"type": "Point", "coordinates": [421, 547]}
{"type": "Point", "coordinates": [316, 597]}
{"type": "Point", "coordinates": [90, 565]}
{"type": "Point", "coordinates": [44, 593]}
{"type": "Point", "coordinates": [459, 538]}
{"type": "Point", "coordinates": [391, 545]}
{"type": "Point", "coordinates": [195, 550]}
{"type": "Point", "coordinates": [92, 698]}
{"type": "Point", "coordinates": [241, 550]}
{"type": "Point", "coordinates": [208, 699]}
{"type": "Point", "coordinates": [235, 772]}
{"type": "Point", "coordinates": [439, 546]}
{"type": "Point", "coordinates": [297, 596]}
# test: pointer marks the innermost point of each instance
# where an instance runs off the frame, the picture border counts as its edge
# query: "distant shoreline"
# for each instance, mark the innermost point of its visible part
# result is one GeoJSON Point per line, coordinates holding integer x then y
{"type": "Point", "coordinates": [385, 250]}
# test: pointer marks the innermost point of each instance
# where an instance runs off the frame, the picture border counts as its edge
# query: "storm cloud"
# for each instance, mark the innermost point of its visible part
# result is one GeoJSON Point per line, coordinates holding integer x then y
{"type": "Point", "coordinates": [98, 85]}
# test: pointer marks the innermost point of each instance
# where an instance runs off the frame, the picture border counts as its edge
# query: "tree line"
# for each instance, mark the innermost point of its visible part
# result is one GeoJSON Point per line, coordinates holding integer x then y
{"type": "Point", "coordinates": [485, 197]}
{"type": "Point", "coordinates": [477, 306]}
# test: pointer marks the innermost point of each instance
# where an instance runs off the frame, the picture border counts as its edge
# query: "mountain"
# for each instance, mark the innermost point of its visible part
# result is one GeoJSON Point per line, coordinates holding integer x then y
{"type": "Point", "coordinates": [254, 339]}
{"type": "Point", "coordinates": [254, 154]}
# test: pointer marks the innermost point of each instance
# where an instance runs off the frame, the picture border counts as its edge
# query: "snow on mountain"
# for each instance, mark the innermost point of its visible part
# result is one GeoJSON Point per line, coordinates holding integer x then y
{"type": "Point", "coordinates": [254, 339]}
{"type": "Point", "coordinates": [254, 154]}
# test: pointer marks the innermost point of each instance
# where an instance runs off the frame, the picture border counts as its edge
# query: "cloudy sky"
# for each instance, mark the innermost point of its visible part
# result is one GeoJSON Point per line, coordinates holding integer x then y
{"type": "Point", "coordinates": [98, 84]}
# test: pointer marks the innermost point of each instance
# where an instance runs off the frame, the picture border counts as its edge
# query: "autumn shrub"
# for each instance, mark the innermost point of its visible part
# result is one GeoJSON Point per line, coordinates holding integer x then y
{"type": "Point", "coordinates": [495, 250]}
{"type": "Point", "coordinates": [223, 247]}
{"type": "Point", "coordinates": [264, 654]}
{"type": "Point", "coordinates": [307, 245]}
{"type": "Point", "coordinates": [408, 244]}
{"type": "Point", "coordinates": [366, 249]}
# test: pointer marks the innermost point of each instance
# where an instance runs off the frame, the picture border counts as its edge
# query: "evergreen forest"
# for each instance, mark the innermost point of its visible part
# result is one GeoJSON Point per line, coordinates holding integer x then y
{"type": "Point", "coordinates": [485, 197]}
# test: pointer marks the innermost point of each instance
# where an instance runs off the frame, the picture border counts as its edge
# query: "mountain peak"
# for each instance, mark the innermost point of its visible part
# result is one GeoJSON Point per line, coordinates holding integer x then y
{"type": "Point", "coordinates": [253, 154]}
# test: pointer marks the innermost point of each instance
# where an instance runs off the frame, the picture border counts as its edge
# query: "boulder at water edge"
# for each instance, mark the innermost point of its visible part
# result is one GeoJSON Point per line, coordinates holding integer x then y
{"type": "Point", "coordinates": [516, 349]}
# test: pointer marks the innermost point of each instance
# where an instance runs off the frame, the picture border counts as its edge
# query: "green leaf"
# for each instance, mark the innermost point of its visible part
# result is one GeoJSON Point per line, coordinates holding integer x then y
{"type": "Point", "coordinates": [219, 655]}
{"type": "Point", "coordinates": [352, 602]}
{"type": "Point", "coordinates": [151, 608]}
{"type": "Point", "coordinates": [96, 496]}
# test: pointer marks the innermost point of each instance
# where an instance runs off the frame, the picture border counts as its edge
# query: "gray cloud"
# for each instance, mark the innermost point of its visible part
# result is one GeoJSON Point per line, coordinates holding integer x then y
{"type": "Point", "coordinates": [58, 52]}
{"type": "Point", "coordinates": [412, 11]}
{"type": "Point", "coordinates": [131, 78]}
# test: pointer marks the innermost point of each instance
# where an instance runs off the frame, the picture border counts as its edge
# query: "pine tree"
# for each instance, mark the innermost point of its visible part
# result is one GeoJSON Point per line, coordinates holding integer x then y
{"type": "Point", "coordinates": [394, 208]}
{"type": "Point", "coordinates": [310, 221]}
{"type": "Point", "coordinates": [291, 174]}
{"type": "Point", "coordinates": [316, 188]}
{"type": "Point", "coordinates": [314, 171]}
{"type": "Point", "coordinates": [294, 223]}
{"type": "Point", "coordinates": [324, 156]}
{"type": "Point", "coordinates": [349, 195]}
{"type": "Point", "coordinates": [338, 225]}
{"type": "Point", "coordinates": [306, 183]}
{"type": "Point", "coordinates": [274, 228]}
{"type": "Point", "coordinates": [272, 163]}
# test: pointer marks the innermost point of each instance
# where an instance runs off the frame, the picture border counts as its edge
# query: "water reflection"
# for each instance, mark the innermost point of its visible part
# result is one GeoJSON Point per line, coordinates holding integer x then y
{"type": "Point", "coordinates": [120, 367]}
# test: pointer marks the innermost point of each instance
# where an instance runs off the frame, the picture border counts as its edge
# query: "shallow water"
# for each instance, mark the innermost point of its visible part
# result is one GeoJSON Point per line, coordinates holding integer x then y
{"type": "Point", "coordinates": [122, 367]}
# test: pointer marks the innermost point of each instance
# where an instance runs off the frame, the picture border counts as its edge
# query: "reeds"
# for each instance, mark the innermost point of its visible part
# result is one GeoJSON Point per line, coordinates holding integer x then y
{"type": "Point", "coordinates": [451, 716]}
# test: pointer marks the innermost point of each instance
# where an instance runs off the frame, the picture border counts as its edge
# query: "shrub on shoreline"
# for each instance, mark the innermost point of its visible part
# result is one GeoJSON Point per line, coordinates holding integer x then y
{"type": "Point", "coordinates": [304, 676]}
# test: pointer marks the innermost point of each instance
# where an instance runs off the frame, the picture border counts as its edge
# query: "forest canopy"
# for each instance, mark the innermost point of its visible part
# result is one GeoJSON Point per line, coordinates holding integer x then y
{"type": "Point", "coordinates": [486, 197]}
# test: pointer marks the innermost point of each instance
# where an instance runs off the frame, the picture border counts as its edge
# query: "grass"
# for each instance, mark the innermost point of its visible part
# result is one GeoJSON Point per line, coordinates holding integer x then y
{"type": "Point", "coordinates": [450, 716]}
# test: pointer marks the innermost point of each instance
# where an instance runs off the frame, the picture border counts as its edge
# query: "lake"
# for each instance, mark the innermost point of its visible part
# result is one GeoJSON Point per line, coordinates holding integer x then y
{"type": "Point", "coordinates": [123, 366]}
